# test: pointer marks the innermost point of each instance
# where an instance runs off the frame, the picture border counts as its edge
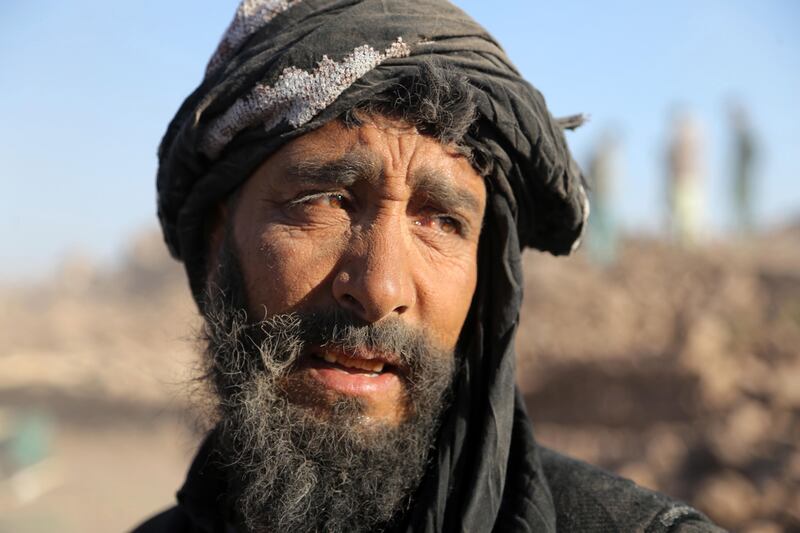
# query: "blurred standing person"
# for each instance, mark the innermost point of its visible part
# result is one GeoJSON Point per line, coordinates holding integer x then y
{"type": "Point", "coordinates": [685, 179]}
{"type": "Point", "coordinates": [744, 151]}
{"type": "Point", "coordinates": [604, 169]}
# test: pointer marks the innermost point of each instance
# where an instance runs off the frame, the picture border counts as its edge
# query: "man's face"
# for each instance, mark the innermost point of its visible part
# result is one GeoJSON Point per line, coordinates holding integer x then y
{"type": "Point", "coordinates": [375, 220]}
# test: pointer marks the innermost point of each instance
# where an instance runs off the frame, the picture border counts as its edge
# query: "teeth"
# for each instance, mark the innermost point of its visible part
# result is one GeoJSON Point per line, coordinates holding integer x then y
{"type": "Point", "coordinates": [374, 366]}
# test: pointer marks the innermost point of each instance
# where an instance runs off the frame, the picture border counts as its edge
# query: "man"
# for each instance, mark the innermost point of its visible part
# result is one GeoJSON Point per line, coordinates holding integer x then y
{"type": "Point", "coordinates": [685, 180]}
{"type": "Point", "coordinates": [744, 158]}
{"type": "Point", "coordinates": [349, 189]}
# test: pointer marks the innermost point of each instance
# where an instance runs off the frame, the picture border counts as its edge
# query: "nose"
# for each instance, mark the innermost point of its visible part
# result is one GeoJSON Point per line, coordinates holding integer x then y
{"type": "Point", "coordinates": [375, 278]}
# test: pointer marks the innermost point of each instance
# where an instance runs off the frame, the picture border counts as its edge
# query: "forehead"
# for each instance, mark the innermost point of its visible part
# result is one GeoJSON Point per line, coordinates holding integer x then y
{"type": "Point", "coordinates": [391, 147]}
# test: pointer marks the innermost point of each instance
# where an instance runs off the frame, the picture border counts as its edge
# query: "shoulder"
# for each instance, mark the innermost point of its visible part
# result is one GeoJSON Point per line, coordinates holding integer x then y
{"type": "Point", "coordinates": [173, 520]}
{"type": "Point", "coordinates": [587, 498]}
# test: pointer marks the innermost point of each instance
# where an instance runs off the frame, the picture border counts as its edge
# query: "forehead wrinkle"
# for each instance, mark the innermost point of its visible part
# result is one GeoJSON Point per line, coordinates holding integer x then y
{"type": "Point", "coordinates": [435, 184]}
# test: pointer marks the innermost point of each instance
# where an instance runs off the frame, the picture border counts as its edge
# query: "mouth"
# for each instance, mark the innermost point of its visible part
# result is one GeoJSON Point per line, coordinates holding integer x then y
{"type": "Point", "coordinates": [358, 373]}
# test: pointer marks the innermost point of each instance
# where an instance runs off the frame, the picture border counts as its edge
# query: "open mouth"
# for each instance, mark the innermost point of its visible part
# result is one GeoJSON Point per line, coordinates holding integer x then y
{"type": "Point", "coordinates": [350, 365]}
{"type": "Point", "coordinates": [358, 373]}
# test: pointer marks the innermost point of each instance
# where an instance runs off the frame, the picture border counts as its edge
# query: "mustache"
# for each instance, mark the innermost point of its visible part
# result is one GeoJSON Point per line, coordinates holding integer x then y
{"type": "Point", "coordinates": [398, 343]}
{"type": "Point", "coordinates": [278, 341]}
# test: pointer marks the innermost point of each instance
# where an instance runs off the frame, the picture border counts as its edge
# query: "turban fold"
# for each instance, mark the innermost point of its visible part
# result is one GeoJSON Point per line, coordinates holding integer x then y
{"type": "Point", "coordinates": [286, 67]}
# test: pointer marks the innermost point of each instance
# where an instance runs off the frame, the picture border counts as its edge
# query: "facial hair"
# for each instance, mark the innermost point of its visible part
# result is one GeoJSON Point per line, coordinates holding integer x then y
{"type": "Point", "coordinates": [290, 469]}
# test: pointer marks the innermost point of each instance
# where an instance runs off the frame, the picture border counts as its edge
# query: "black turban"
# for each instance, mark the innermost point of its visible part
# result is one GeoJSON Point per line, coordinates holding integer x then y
{"type": "Point", "coordinates": [286, 67]}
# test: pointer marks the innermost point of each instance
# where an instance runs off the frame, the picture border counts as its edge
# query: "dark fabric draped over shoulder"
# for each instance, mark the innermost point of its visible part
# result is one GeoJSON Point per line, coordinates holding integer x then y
{"type": "Point", "coordinates": [286, 67]}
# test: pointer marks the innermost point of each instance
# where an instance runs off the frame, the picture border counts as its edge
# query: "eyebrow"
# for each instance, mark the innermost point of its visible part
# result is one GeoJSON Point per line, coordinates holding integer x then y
{"type": "Point", "coordinates": [361, 165]}
{"type": "Point", "coordinates": [436, 187]}
{"type": "Point", "coordinates": [342, 172]}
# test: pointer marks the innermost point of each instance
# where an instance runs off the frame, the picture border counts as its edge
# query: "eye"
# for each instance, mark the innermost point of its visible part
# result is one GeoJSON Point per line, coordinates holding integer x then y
{"type": "Point", "coordinates": [443, 223]}
{"type": "Point", "coordinates": [333, 200]}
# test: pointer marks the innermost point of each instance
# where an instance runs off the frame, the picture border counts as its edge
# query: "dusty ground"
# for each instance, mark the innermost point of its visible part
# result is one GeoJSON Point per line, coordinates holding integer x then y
{"type": "Point", "coordinates": [679, 369]}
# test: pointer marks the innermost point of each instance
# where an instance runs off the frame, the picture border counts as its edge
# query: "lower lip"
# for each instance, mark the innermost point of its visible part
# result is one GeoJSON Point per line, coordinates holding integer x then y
{"type": "Point", "coordinates": [353, 383]}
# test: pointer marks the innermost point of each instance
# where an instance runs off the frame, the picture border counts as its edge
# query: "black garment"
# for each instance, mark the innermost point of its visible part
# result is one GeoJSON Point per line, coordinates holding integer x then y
{"type": "Point", "coordinates": [584, 499]}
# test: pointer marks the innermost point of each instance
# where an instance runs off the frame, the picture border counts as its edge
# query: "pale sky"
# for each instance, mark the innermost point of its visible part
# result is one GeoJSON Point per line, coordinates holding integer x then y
{"type": "Point", "coordinates": [87, 89]}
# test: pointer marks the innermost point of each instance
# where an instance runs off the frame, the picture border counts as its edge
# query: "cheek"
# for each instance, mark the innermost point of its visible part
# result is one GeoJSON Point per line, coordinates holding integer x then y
{"type": "Point", "coordinates": [284, 268]}
{"type": "Point", "coordinates": [446, 297]}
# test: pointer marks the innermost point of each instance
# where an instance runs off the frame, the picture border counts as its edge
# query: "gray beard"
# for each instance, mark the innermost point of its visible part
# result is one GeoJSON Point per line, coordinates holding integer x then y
{"type": "Point", "coordinates": [290, 469]}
